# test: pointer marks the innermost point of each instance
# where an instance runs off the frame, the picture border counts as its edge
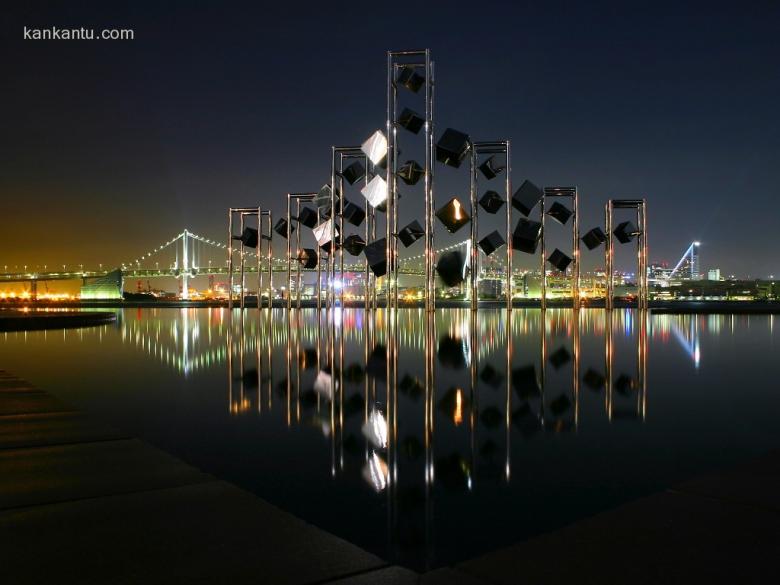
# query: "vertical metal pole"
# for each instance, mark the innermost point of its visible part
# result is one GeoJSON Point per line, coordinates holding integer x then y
{"type": "Point", "coordinates": [390, 175]}
{"type": "Point", "coordinates": [270, 260]}
{"type": "Point", "coordinates": [474, 260]}
{"type": "Point", "coordinates": [289, 259]}
{"type": "Point", "coordinates": [508, 406]}
{"type": "Point", "coordinates": [331, 291]}
{"type": "Point", "coordinates": [609, 348]}
{"type": "Point", "coordinates": [394, 167]}
{"type": "Point", "coordinates": [508, 189]}
{"type": "Point", "coordinates": [318, 288]}
{"type": "Point", "coordinates": [543, 255]}
{"type": "Point", "coordinates": [367, 268]}
{"type": "Point", "coordinates": [576, 366]}
{"type": "Point", "coordinates": [576, 250]}
{"type": "Point", "coordinates": [298, 270]}
{"type": "Point", "coordinates": [645, 248]}
{"type": "Point", "coordinates": [185, 285]}
{"type": "Point", "coordinates": [429, 158]}
{"type": "Point", "coordinates": [230, 259]}
{"type": "Point", "coordinates": [259, 254]}
{"type": "Point", "coordinates": [241, 259]}
{"type": "Point", "coordinates": [608, 302]}
{"type": "Point", "coordinates": [341, 232]}
{"type": "Point", "coordinates": [432, 195]}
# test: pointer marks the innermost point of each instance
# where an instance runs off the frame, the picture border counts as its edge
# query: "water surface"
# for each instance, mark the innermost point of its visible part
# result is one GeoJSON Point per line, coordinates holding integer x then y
{"type": "Point", "coordinates": [426, 440]}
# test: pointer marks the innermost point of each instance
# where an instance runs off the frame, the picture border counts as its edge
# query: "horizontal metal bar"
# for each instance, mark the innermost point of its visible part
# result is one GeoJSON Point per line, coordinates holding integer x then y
{"type": "Point", "coordinates": [345, 150]}
{"type": "Point", "coordinates": [407, 53]}
{"type": "Point", "coordinates": [243, 209]}
{"type": "Point", "coordinates": [627, 203]}
{"type": "Point", "coordinates": [484, 147]}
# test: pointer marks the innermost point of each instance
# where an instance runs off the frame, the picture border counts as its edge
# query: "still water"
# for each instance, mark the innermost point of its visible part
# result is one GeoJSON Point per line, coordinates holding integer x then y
{"type": "Point", "coordinates": [426, 440]}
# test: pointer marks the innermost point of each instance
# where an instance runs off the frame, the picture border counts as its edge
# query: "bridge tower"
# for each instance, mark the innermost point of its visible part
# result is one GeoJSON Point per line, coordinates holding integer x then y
{"type": "Point", "coordinates": [185, 269]}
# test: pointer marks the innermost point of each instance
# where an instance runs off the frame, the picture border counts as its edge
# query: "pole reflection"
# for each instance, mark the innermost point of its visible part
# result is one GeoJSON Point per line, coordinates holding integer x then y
{"type": "Point", "coordinates": [459, 389]}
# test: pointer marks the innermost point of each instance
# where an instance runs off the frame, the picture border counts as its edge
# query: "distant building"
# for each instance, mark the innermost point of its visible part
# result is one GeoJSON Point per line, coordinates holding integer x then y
{"type": "Point", "coordinates": [104, 287]}
{"type": "Point", "coordinates": [490, 288]}
{"type": "Point", "coordinates": [713, 274]}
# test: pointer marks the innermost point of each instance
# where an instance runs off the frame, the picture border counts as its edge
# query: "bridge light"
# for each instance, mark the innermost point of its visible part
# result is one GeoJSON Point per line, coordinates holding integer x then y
{"type": "Point", "coordinates": [696, 243]}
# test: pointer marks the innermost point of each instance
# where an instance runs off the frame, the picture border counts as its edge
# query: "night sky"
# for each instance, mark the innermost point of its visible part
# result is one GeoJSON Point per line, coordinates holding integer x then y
{"type": "Point", "coordinates": [109, 147]}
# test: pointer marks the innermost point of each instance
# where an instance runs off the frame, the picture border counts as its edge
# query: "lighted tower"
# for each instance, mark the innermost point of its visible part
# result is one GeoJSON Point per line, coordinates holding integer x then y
{"type": "Point", "coordinates": [695, 274]}
{"type": "Point", "coordinates": [688, 266]}
{"type": "Point", "coordinates": [185, 269]}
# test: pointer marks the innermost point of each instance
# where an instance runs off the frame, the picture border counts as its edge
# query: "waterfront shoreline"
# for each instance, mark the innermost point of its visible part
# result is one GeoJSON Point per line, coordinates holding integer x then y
{"type": "Point", "coordinates": [656, 307]}
{"type": "Point", "coordinates": [11, 320]}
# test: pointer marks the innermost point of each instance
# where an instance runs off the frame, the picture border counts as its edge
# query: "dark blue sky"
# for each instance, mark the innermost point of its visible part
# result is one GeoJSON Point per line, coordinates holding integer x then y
{"type": "Point", "coordinates": [123, 144]}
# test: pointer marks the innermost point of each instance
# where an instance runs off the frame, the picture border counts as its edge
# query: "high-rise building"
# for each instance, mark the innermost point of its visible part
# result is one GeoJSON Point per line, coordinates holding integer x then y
{"type": "Point", "coordinates": [713, 274]}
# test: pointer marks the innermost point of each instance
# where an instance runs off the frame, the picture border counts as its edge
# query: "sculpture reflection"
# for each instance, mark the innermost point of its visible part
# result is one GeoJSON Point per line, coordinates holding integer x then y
{"type": "Point", "coordinates": [429, 403]}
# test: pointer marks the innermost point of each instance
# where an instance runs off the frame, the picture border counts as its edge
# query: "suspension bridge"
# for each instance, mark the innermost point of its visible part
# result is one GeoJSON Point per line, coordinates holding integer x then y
{"type": "Point", "coordinates": [188, 255]}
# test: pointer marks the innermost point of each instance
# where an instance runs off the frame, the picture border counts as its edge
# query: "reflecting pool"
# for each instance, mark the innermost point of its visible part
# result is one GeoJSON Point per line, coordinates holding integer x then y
{"type": "Point", "coordinates": [426, 439]}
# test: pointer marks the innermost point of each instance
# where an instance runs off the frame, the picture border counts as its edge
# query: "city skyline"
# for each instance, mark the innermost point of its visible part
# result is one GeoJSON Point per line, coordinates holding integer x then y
{"type": "Point", "coordinates": [110, 150]}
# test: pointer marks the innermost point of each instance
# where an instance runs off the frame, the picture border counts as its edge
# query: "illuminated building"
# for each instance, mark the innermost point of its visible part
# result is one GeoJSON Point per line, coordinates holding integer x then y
{"type": "Point", "coordinates": [106, 287]}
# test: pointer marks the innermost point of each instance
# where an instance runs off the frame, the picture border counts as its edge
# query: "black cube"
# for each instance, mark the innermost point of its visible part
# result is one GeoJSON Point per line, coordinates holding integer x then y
{"type": "Point", "coordinates": [559, 260]}
{"type": "Point", "coordinates": [526, 197]}
{"type": "Point", "coordinates": [411, 120]}
{"type": "Point", "coordinates": [354, 172]}
{"type": "Point", "coordinates": [411, 233]}
{"type": "Point", "coordinates": [283, 228]}
{"type": "Point", "coordinates": [559, 212]}
{"type": "Point", "coordinates": [354, 244]}
{"type": "Point", "coordinates": [354, 213]}
{"type": "Point", "coordinates": [376, 254]}
{"type": "Point", "coordinates": [625, 232]}
{"type": "Point", "coordinates": [491, 168]}
{"type": "Point", "coordinates": [307, 217]}
{"type": "Point", "coordinates": [491, 202]}
{"type": "Point", "coordinates": [594, 238]}
{"type": "Point", "coordinates": [491, 242]}
{"type": "Point", "coordinates": [410, 79]}
{"type": "Point", "coordinates": [411, 172]}
{"type": "Point", "coordinates": [307, 257]}
{"type": "Point", "coordinates": [453, 215]}
{"type": "Point", "coordinates": [452, 147]}
{"type": "Point", "coordinates": [527, 235]}
{"type": "Point", "coordinates": [451, 267]}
